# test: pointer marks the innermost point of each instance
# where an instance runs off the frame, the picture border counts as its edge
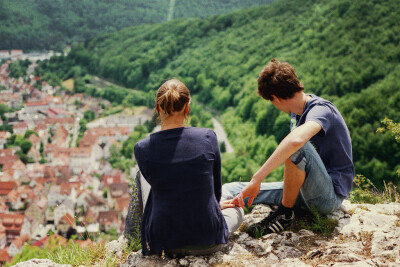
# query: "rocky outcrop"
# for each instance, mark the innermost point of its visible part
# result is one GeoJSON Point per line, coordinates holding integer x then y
{"type": "Point", "coordinates": [366, 235]}
{"type": "Point", "coordinates": [40, 263]}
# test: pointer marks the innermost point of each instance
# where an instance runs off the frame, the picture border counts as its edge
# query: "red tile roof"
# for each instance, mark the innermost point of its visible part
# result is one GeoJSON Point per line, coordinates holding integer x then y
{"type": "Point", "coordinates": [68, 219]}
{"type": "Point", "coordinates": [7, 187]}
{"type": "Point", "coordinates": [53, 121]}
{"type": "Point", "coordinates": [20, 241]}
{"type": "Point", "coordinates": [34, 138]}
{"type": "Point", "coordinates": [20, 125]}
{"type": "Point", "coordinates": [4, 257]}
{"type": "Point", "coordinates": [4, 135]}
{"type": "Point", "coordinates": [36, 103]}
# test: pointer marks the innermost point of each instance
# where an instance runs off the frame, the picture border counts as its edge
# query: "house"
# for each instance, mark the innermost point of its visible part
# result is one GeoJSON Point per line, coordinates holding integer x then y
{"type": "Point", "coordinates": [61, 136]}
{"type": "Point", "coordinates": [90, 217]}
{"type": "Point", "coordinates": [27, 226]}
{"type": "Point", "coordinates": [55, 239]}
{"type": "Point", "coordinates": [16, 53]}
{"type": "Point", "coordinates": [55, 102]}
{"type": "Point", "coordinates": [88, 199]}
{"type": "Point", "coordinates": [17, 245]}
{"type": "Point", "coordinates": [20, 128]}
{"type": "Point", "coordinates": [34, 154]}
{"type": "Point", "coordinates": [115, 191]}
{"type": "Point", "coordinates": [4, 257]}
{"type": "Point", "coordinates": [57, 113]}
{"type": "Point", "coordinates": [83, 159]}
{"type": "Point", "coordinates": [108, 147]}
{"type": "Point", "coordinates": [3, 206]}
{"type": "Point", "coordinates": [3, 239]}
{"type": "Point", "coordinates": [7, 152]}
{"type": "Point", "coordinates": [19, 171]}
{"type": "Point", "coordinates": [13, 223]}
{"type": "Point", "coordinates": [65, 207]}
{"type": "Point", "coordinates": [108, 220]}
{"type": "Point", "coordinates": [3, 138]}
{"type": "Point", "coordinates": [122, 205]}
{"type": "Point", "coordinates": [41, 129]}
{"type": "Point", "coordinates": [119, 133]}
{"type": "Point", "coordinates": [92, 141]}
{"type": "Point", "coordinates": [15, 101]}
{"type": "Point", "coordinates": [4, 54]}
{"type": "Point", "coordinates": [32, 107]}
{"type": "Point", "coordinates": [68, 123]}
{"type": "Point", "coordinates": [37, 210]}
{"type": "Point", "coordinates": [46, 87]}
{"type": "Point", "coordinates": [6, 188]}
{"type": "Point", "coordinates": [66, 222]}
{"type": "Point", "coordinates": [35, 140]}
{"type": "Point", "coordinates": [112, 177]}
{"type": "Point", "coordinates": [54, 196]}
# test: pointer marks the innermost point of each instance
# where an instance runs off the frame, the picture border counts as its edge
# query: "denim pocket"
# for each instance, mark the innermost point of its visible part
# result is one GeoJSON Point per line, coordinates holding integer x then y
{"type": "Point", "coordinates": [299, 159]}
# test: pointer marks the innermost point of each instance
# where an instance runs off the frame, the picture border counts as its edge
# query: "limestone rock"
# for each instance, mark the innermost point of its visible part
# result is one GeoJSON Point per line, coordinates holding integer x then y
{"type": "Point", "coordinates": [40, 263]}
{"type": "Point", "coordinates": [366, 235]}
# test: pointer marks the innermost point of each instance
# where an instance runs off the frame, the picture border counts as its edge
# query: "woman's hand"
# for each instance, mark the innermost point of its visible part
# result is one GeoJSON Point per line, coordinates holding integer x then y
{"type": "Point", "coordinates": [226, 204]}
{"type": "Point", "coordinates": [249, 191]}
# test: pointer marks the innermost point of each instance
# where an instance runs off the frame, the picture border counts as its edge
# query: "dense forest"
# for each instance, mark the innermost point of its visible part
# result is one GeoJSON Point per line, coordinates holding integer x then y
{"type": "Point", "coordinates": [51, 24]}
{"type": "Point", "coordinates": [346, 51]}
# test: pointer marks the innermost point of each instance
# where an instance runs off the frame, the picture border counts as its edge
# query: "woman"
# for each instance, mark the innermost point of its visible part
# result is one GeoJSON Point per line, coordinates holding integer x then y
{"type": "Point", "coordinates": [183, 167]}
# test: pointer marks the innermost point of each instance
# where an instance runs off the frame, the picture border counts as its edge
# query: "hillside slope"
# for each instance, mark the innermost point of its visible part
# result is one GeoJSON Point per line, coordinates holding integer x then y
{"type": "Point", "coordinates": [50, 24]}
{"type": "Point", "coordinates": [346, 51]}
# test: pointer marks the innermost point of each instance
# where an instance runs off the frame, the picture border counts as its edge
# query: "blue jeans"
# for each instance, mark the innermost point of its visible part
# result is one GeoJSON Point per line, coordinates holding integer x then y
{"type": "Point", "coordinates": [317, 189]}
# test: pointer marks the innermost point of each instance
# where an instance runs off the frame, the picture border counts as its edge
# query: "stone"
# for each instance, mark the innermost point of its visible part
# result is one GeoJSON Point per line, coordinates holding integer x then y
{"type": "Point", "coordinates": [284, 252]}
{"type": "Point", "coordinates": [40, 263]}
{"type": "Point", "coordinates": [304, 232]}
{"type": "Point", "coordinates": [366, 235]}
{"type": "Point", "coordinates": [183, 262]}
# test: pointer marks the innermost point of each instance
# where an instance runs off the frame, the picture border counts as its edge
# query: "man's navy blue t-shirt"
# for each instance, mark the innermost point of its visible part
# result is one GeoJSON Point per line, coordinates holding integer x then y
{"type": "Point", "coordinates": [332, 143]}
{"type": "Point", "coordinates": [183, 167]}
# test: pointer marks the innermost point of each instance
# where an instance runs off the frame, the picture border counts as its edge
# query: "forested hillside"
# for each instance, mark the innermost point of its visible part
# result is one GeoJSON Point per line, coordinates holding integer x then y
{"type": "Point", "coordinates": [51, 24]}
{"type": "Point", "coordinates": [347, 51]}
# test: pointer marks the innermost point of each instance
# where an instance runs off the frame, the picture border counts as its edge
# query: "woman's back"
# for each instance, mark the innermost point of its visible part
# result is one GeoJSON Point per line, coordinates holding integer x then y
{"type": "Point", "coordinates": [183, 167]}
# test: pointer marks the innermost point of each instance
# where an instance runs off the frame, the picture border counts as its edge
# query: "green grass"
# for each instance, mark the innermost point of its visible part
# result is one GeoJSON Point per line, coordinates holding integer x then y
{"type": "Point", "coordinates": [75, 255]}
{"type": "Point", "coordinates": [318, 223]}
{"type": "Point", "coordinates": [364, 191]}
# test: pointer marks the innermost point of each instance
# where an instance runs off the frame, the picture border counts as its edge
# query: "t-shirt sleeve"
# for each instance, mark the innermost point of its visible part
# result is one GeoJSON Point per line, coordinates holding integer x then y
{"type": "Point", "coordinates": [217, 166]}
{"type": "Point", "coordinates": [321, 114]}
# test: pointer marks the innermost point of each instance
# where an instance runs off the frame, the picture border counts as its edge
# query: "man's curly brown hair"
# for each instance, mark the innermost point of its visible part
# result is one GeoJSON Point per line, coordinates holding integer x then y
{"type": "Point", "coordinates": [278, 79]}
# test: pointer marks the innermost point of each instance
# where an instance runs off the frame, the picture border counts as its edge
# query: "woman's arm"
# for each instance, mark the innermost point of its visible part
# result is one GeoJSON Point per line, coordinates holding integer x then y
{"type": "Point", "coordinates": [217, 166]}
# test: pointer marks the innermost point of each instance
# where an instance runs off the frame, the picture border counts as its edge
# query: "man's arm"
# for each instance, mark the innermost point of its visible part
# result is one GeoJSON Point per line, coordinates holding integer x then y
{"type": "Point", "coordinates": [289, 145]}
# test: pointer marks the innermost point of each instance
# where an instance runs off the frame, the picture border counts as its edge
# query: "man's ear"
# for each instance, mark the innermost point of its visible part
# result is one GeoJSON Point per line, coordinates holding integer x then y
{"type": "Point", "coordinates": [275, 98]}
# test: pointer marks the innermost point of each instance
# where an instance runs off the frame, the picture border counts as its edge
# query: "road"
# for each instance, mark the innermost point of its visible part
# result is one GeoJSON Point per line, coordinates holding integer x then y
{"type": "Point", "coordinates": [221, 135]}
{"type": "Point", "coordinates": [171, 10]}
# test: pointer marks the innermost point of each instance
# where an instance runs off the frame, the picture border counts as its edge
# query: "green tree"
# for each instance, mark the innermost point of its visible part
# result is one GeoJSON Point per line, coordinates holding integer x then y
{"type": "Point", "coordinates": [82, 125]}
{"type": "Point", "coordinates": [3, 110]}
{"type": "Point", "coordinates": [89, 115]}
{"type": "Point", "coordinates": [29, 132]}
{"type": "Point", "coordinates": [25, 146]}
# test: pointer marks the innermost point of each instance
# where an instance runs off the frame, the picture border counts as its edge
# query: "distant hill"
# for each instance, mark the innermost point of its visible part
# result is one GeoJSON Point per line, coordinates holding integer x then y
{"type": "Point", "coordinates": [347, 51]}
{"type": "Point", "coordinates": [51, 24]}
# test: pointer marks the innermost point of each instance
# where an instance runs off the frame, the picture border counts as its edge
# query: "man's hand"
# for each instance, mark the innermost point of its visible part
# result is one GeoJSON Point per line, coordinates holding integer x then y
{"type": "Point", "coordinates": [226, 204]}
{"type": "Point", "coordinates": [250, 191]}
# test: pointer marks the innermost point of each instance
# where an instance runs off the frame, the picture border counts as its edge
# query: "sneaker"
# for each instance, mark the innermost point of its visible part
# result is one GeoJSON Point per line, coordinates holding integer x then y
{"type": "Point", "coordinates": [275, 222]}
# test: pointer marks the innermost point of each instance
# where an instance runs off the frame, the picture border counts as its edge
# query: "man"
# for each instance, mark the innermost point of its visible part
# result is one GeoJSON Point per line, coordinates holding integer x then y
{"type": "Point", "coordinates": [317, 154]}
